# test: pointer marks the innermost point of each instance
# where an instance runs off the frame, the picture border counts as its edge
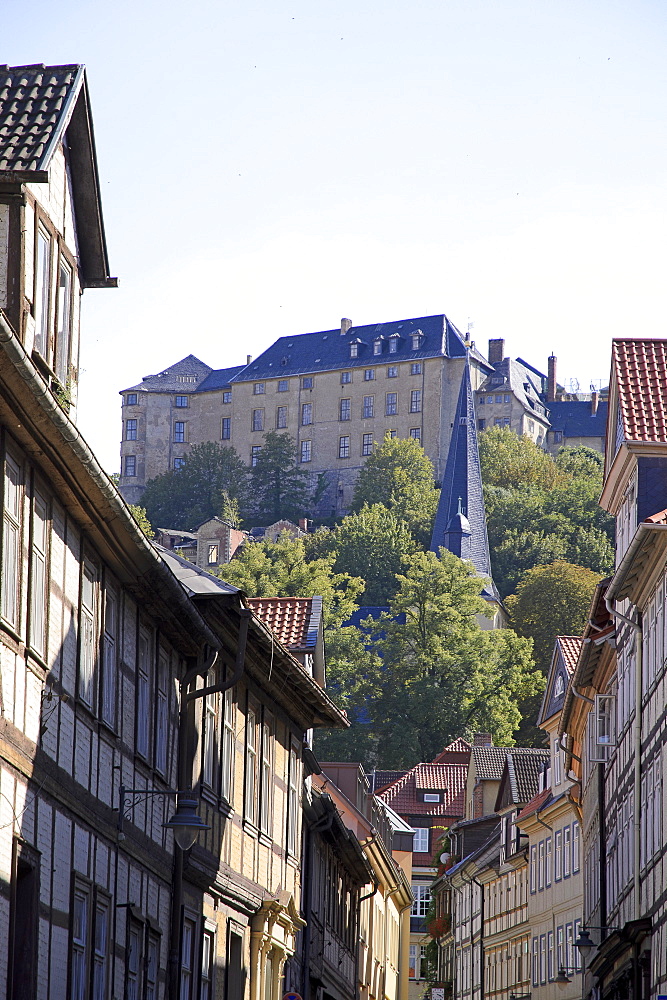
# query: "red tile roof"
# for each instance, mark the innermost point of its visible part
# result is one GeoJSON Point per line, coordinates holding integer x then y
{"type": "Point", "coordinates": [641, 376]}
{"type": "Point", "coordinates": [570, 647]}
{"type": "Point", "coordinates": [535, 804]}
{"type": "Point", "coordinates": [659, 518]}
{"type": "Point", "coordinates": [447, 778]}
{"type": "Point", "coordinates": [294, 620]}
{"type": "Point", "coordinates": [455, 753]}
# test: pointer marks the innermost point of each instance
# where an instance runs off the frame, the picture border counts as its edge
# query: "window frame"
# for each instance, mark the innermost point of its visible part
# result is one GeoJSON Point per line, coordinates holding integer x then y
{"type": "Point", "coordinates": [180, 431]}
{"type": "Point", "coordinates": [345, 409]}
{"type": "Point", "coordinates": [89, 623]}
{"type": "Point", "coordinates": [391, 404]}
{"type": "Point", "coordinates": [131, 429]}
{"type": "Point", "coordinates": [130, 466]}
{"type": "Point", "coordinates": [368, 408]}
{"type": "Point", "coordinates": [225, 428]}
{"type": "Point", "coordinates": [366, 445]}
{"type": "Point", "coordinates": [306, 451]}
{"type": "Point", "coordinates": [179, 404]}
{"type": "Point", "coordinates": [415, 401]}
{"type": "Point", "coordinates": [257, 419]}
{"type": "Point", "coordinates": [250, 764]}
{"type": "Point", "coordinates": [344, 446]}
{"type": "Point", "coordinates": [281, 417]}
{"type": "Point", "coordinates": [306, 414]}
{"type": "Point", "coordinates": [39, 574]}
{"type": "Point", "coordinates": [142, 700]}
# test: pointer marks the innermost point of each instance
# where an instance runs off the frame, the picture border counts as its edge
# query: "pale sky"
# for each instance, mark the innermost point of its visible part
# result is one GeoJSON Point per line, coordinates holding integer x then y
{"type": "Point", "coordinates": [269, 167]}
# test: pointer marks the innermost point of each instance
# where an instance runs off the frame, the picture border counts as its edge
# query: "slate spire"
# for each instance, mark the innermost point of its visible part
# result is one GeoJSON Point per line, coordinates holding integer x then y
{"type": "Point", "coordinates": [460, 521]}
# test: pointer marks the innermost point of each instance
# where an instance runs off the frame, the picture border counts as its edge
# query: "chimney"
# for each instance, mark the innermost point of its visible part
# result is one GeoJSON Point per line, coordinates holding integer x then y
{"type": "Point", "coordinates": [345, 325]}
{"type": "Point", "coordinates": [482, 740]}
{"type": "Point", "coordinates": [303, 523]}
{"type": "Point", "coordinates": [594, 402]}
{"type": "Point", "coordinates": [551, 381]}
{"type": "Point", "coordinates": [496, 351]}
{"type": "Point", "coordinates": [248, 358]}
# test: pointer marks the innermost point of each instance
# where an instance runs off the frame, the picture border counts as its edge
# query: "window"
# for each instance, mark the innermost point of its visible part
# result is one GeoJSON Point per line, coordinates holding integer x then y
{"type": "Point", "coordinates": [558, 762]}
{"type": "Point", "coordinates": [367, 444]}
{"type": "Point", "coordinates": [391, 433]}
{"type": "Point", "coordinates": [420, 840]}
{"type": "Point", "coordinates": [131, 399]}
{"type": "Point", "coordinates": [560, 956]}
{"type": "Point", "coordinates": [63, 322]}
{"type": "Point", "coordinates": [547, 862]}
{"type": "Point", "coordinates": [293, 802]}
{"type": "Point", "coordinates": [152, 965]}
{"type": "Point", "coordinates": [345, 378]}
{"type": "Point", "coordinates": [412, 968]}
{"type": "Point", "coordinates": [130, 430]}
{"type": "Point", "coordinates": [536, 961]}
{"type": "Point", "coordinates": [307, 382]}
{"type": "Point", "coordinates": [392, 371]}
{"type": "Point", "coordinates": [255, 452]}
{"type": "Point", "coordinates": [369, 405]}
{"type": "Point", "coordinates": [143, 694]}
{"type": "Point", "coordinates": [393, 344]}
{"type": "Point", "coordinates": [79, 954]}
{"type": "Point", "coordinates": [306, 414]}
{"type": "Point", "coordinates": [506, 398]}
{"type": "Point", "coordinates": [481, 424]}
{"type": "Point", "coordinates": [540, 865]}
{"type": "Point", "coordinates": [162, 713]}
{"type": "Point", "coordinates": [306, 451]}
{"type": "Point", "coordinates": [416, 368]}
{"type": "Point", "coordinates": [283, 385]}
{"type": "Point", "coordinates": [212, 554]}
{"type": "Point", "coordinates": [130, 465]}
{"type": "Point", "coordinates": [344, 412]}
{"type": "Point", "coordinates": [227, 396]}
{"type": "Point", "coordinates": [281, 417]}
{"type": "Point", "coordinates": [258, 420]}
{"type": "Point", "coordinates": [576, 954]}
{"type": "Point", "coordinates": [377, 346]}
{"type": "Point", "coordinates": [569, 947]}
{"type": "Point", "coordinates": [533, 868]}
{"type": "Point", "coordinates": [344, 447]}
{"type": "Point", "coordinates": [416, 340]}
{"type": "Point", "coordinates": [567, 852]}
{"type": "Point", "coordinates": [42, 292]}
{"type": "Point", "coordinates": [354, 350]}
{"type": "Point", "coordinates": [188, 936]}
{"type": "Point", "coordinates": [251, 766]}
{"type": "Point", "coordinates": [211, 752]}
{"type": "Point", "coordinates": [207, 964]}
{"type": "Point", "coordinates": [88, 633]}
{"type": "Point", "coordinates": [369, 375]}
{"type": "Point", "coordinates": [89, 943]}
{"type": "Point", "coordinates": [24, 921]}
{"type": "Point", "coordinates": [179, 463]}
{"type": "Point", "coordinates": [181, 402]}
{"type": "Point", "coordinates": [38, 578]}
{"type": "Point", "coordinates": [576, 847]}
{"type": "Point", "coordinates": [266, 777]}
{"type": "Point", "coordinates": [226, 428]}
{"type": "Point", "coordinates": [179, 431]}
{"type": "Point", "coordinates": [109, 664]}
{"type": "Point", "coordinates": [482, 400]}
{"type": "Point", "coordinates": [415, 401]}
{"type": "Point", "coordinates": [499, 399]}
{"type": "Point", "coordinates": [558, 437]}
{"type": "Point", "coordinates": [101, 958]}
{"type": "Point", "coordinates": [11, 542]}
{"type": "Point", "coordinates": [416, 433]}
{"type": "Point", "coordinates": [228, 745]}
{"type": "Point", "coordinates": [391, 404]}
{"type": "Point", "coordinates": [558, 855]}
{"type": "Point", "coordinates": [422, 894]}
{"type": "Point", "coordinates": [258, 389]}
{"type": "Point", "coordinates": [550, 956]}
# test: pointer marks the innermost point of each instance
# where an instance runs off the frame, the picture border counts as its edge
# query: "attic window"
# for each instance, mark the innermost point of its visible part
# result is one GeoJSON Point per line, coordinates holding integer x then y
{"type": "Point", "coordinates": [354, 350]}
{"type": "Point", "coordinates": [432, 796]}
{"type": "Point", "coordinates": [186, 378]}
{"type": "Point", "coordinates": [416, 340]}
{"type": "Point", "coordinates": [377, 346]}
{"type": "Point", "coordinates": [559, 686]}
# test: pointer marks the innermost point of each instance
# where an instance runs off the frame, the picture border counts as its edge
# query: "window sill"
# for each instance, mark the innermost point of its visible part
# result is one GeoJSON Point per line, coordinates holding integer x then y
{"type": "Point", "coordinates": [11, 633]}
{"type": "Point", "coordinates": [265, 840]}
{"type": "Point", "coordinates": [250, 828]}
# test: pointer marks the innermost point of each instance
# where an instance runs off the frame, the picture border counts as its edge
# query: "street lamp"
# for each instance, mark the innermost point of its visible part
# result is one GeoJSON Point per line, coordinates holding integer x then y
{"type": "Point", "coordinates": [185, 822]}
{"type": "Point", "coordinates": [585, 943]}
{"type": "Point", "coordinates": [562, 979]}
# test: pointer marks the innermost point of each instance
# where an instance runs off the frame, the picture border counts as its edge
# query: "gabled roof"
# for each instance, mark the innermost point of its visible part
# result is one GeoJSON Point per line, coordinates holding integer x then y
{"type": "Point", "coordinates": [521, 775]}
{"type": "Point", "coordinates": [309, 353]}
{"type": "Point", "coordinates": [220, 378]}
{"type": "Point", "coordinates": [39, 106]}
{"type": "Point", "coordinates": [538, 801]}
{"type": "Point", "coordinates": [447, 778]}
{"type": "Point", "coordinates": [515, 377]}
{"type": "Point", "coordinates": [490, 761]}
{"type": "Point", "coordinates": [570, 647]}
{"type": "Point", "coordinates": [186, 375]}
{"type": "Point", "coordinates": [563, 661]}
{"type": "Point", "coordinates": [295, 621]}
{"type": "Point", "coordinates": [460, 520]}
{"type": "Point", "coordinates": [640, 367]}
{"type": "Point", "coordinates": [454, 753]}
{"type": "Point", "coordinates": [195, 581]}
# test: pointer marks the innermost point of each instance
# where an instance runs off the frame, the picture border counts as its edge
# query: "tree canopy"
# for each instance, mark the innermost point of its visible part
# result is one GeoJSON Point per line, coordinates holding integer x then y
{"type": "Point", "coordinates": [540, 509]}
{"type": "Point", "coordinates": [184, 498]}
{"type": "Point", "coordinates": [399, 475]}
{"type": "Point", "coordinates": [279, 486]}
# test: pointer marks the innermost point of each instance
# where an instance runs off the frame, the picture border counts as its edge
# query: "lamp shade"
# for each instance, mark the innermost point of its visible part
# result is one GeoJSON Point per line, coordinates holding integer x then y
{"type": "Point", "coordinates": [186, 823]}
{"type": "Point", "coordinates": [562, 979]}
{"type": "Point", "coordinates": [584, 942]}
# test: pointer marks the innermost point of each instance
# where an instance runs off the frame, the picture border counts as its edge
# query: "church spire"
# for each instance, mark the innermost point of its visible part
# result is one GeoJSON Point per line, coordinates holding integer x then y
{"type": "Point", "coordinates": [460, 521]}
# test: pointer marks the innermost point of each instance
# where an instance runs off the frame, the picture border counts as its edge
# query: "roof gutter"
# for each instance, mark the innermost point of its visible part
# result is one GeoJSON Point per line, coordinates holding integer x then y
{"type": "Point", "coordinates": [117, 509]}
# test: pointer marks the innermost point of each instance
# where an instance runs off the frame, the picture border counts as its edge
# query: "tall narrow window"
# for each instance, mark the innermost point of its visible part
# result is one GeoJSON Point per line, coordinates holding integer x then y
{"type": "Point", "coordinates": [88, 637]}
{"type": "Point", "coordinates": [210, 732]}
{"type": "Point", "coordinates": [306, 451]}
{"type": "Point", "coordinates": [558, 855]}
{"type": "Point", "coordinates": [131, 430]}
{"type": "Point", "coordinates": [344, 446]}
{"type": "Point", "coordinates": [567, 852]}
{"type": "Point", "coordinates": [143, 695]}
{"type": "Point", "coordinates": [255, 452]}
{"type": "Point", "coordinates": [226, 428]}
{"type": "Point", "coordinates": [152, 966]}
{"type": "Point", "coordinates": [100, 948]}
{"type": "Point", "coordinates": [130, 465]}
{"type": "Point", "coordinates": [367, 444]}
{"type": "Point", "coordinates": [306, 414]}
{"type": "Point", "coordinates": [162, 713]}
{"type": "Point", "coordinates": [415, 401]}
{"type": "Point", "coordinates": [42, 292]}
{"type": "Point", "coordinates": [228, 745]}
{"type": "Point", "coordinates": [281, 417]}
{"type": "Point", "coordinates": [179, 431]}
{"type": "Point", "coordinates": [391, 404]}
{"type": "Point", "coordinates": [133, 961]}
{"type": "Point", "coordinates": [79, 943]}
{"type": "Point", "coordinates": [251, 766]}
{"type": "Point", "coordinates": [187, 959]}
{"type": "Point", "coordinates": [266, 777]}
{"type": "Point", "coordinates": [11, 542]}
{"type": "Point", "coordinates": [344, 409]}
{"type": "Point", "coordinates": [258, 420]}
{"type": "Point", "coordinates": [369, 404]}
{"type": "Point", "coordinates": [38, 589]}
{"type": "Point", "coordinates": [292, 802]}
{"type": "Point", "coordinates": [108, 700]}
{"type": "Point", "coordinates": [64, 324]}
{"type": "Point", "coordinates": [207, 960]}
{"type": "Point", "coordinates": [23, 921]}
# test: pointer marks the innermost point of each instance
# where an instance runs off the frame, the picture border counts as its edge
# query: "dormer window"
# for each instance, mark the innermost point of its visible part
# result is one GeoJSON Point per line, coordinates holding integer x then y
{"type": "Point", "coordinates": [416, 339]}
{"type": "Point", "coordinates": [393, 343]}
{"type": "Point", "coordinates": [354, 349]}
{"type": "Point", "coordinates": [377, 345]}
{"type": "Point", "coordinates": [432, 797]}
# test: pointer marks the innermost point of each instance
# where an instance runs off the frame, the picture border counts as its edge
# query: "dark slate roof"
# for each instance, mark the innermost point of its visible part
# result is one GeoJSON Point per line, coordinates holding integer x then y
{"type": "Point", "coordinates": [38, 105]}
{"type": "Point", "coordinates": [490, 761]}
{"type": "Point", "coordinates": [522, 775]}
{"type": "Point", "coordinates": [460, 521]}
{"type": "Point", "coordinates": [220, 378]}
{"type": "Point", "coordinates": [563, 661]}
{"type": "Point", "coordinates": [329, 349]}
{"type": "Point", "coordinates": [360, 614]}
{"type": "Point", "coordinates": [574, 418]}
{"type": "Point", "coordinates": [516, 375]}
{"type": "Point", "coordinates": [380, 779]}
{"type": "Point", "coordinates": [171, 379]}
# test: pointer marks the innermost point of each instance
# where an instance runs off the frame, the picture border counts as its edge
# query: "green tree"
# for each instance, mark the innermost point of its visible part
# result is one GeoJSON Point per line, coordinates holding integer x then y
{"type": "Point", "coordinates": [399, 474]}
{"type": "Point", "coordinates": [140, 516]}
{"type": "Point", "coordinates": [280, 569]}
{"type": "Point", "coordinates": [511, 461]}
{"type": "Point", "coordinates": [374, 545]}
{"type": "Point", "coordinates": [186, 497]}
{"type": "Point", "coordinates": [279, 485]}
{"type": "Point", "coordinates": [439, 675]}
